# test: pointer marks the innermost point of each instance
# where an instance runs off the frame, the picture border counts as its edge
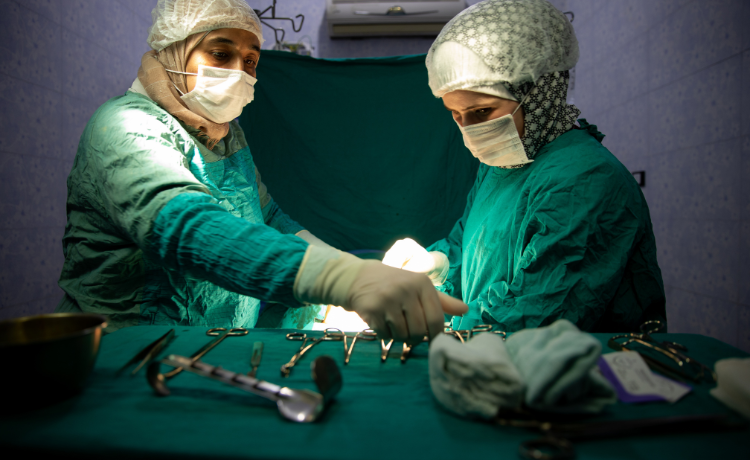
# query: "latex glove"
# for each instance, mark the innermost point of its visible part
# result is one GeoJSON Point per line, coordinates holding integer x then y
{"type": "Point", "coordinates": [312, 239]}
{"type": "Point", "coordinates": [400, 305]}
{"type": "Point", "coordinates": [397, 304]}
{"type": "Point", "coordinates": [407, 254]}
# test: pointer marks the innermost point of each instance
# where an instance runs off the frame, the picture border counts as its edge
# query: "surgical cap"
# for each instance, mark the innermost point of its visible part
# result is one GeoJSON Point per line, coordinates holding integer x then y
{"type": "Point", "coordinates": [496, 43]}
{"type": "Point", "coordinates": [175, 20]}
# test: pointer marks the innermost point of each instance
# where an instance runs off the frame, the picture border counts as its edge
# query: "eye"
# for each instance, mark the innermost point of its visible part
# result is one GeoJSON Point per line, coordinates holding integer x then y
{"type": "Point", "coordinates": [483, 111]}
{"type": "Point", "coordinates": [219, 55]}
{"type": "Point", "coordinates": [251, 62]}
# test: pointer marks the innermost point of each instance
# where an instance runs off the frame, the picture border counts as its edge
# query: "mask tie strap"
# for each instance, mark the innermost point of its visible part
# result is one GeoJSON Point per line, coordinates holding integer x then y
{"type": "Point", "coordinates": [522, 101]}
{"type": "Point", "coordinates": [184, 73]}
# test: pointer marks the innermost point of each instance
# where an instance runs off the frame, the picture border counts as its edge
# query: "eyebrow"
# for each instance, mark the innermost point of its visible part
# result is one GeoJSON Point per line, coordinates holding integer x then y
{"type": "Point", "coordinates": [230, 42]}
{"type": "Point", "coordinates": [483, 106]}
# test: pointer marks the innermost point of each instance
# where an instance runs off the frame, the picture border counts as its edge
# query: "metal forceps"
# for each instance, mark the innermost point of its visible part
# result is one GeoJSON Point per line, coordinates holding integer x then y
{"type": "Point", "coordinates": [671, 350]}
{"type": "Point", "coordinates": [384, 348]}
{"type": "Point", "coordinates": [406, 350]}
{"type": "Point", "coordinates": [466, 334]}
{"type": "Point", "coordinates": [367, 335]}
{"type": "Point", "coordinates": [220, 333]}
{"type": "Point", "coordinates": [307, 344]}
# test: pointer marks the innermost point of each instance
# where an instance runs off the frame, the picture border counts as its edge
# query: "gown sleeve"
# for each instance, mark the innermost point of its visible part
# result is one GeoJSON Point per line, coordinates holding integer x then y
{"type": "Point", "coordinates": [452, 245]}
{"type": "Point", "coordinates": [573, 246]}
{"type": "Point", "coordinates": [140, 170]}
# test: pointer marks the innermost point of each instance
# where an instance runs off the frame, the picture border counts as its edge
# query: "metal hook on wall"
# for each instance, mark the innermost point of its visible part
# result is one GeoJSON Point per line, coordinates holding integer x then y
{"type": "Point", "coordinates": [276, 31]}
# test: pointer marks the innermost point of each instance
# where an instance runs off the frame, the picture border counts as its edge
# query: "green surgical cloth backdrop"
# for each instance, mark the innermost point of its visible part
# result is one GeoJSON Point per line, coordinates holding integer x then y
{"type": "Point", "coordinates": [358, 151]}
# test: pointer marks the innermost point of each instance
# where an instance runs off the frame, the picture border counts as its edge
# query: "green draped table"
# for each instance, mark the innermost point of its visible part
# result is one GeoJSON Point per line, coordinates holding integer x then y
{"type": "Point", "coordinates": [384, 410]}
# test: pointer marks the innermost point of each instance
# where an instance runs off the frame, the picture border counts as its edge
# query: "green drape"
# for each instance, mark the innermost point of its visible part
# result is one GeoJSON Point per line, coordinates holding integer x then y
{"type": "Point", "coordinates": [358, 151]}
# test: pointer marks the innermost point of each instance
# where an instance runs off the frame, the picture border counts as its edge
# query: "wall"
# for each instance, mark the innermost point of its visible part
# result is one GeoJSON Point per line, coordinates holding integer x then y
{"type": "Point", "coordinates": [668, 82]}
{"type": "Point", "coordinates": [61, 60]}
{"type": "Point", "coordinates": [315, 27]}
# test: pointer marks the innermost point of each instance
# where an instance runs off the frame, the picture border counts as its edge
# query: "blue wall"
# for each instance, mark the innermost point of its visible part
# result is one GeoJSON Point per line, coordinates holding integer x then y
{"type": "Point", "coordinates": [61, 60]}
{"type": "Point", "coordinates": [668, 81]}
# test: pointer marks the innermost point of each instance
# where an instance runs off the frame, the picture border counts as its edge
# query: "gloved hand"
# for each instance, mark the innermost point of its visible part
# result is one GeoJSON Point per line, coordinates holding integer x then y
{"type": "Point", "coordinates": [400, 305]}
{"type": "Point", "coordinates": [407, 254]}
{"type": "Point", "coordinates": [397, 304]}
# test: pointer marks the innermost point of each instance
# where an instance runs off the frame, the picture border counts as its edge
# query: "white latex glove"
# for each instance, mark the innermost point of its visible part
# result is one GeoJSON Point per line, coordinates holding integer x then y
{"type": "Point", "coordinates": [400, 305]}
{"type": "Point", "coordinates": [407, 254]}
{"type": "Point", "coordinates": [397, 304]}
{"type": "Point", "coordinates": [312, 239]}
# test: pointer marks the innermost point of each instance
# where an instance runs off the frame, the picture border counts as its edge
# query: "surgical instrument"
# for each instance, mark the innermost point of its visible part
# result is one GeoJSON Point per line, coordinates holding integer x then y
{"type": "Point", "coordinates": [296, 405]}
{"type": "Point", "coordinates": [671, 350]}
{"type": "Point", "coordinates": [149, 353]}
{"type": "Point", "coordinates": [234, 332]}
{"type": "Point", "coordinates": [405, 351]}
{"type": "Point", "coordinates": [255, 359]}
{"type": "Point", "coordinates": [466, 334]}
{"type": "Point", "coordinates": [384, 349]}
{"type": "Point", "coordinates": [367, 335]}
{"type": "Point", "coordinates": [286, 369]}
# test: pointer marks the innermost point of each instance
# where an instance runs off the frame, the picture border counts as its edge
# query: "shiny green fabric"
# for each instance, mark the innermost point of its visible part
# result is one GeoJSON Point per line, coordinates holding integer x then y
{"type": "Point", "coordinates": [162, 230]}
{"type": "Point", "coordinates": [568, 236]}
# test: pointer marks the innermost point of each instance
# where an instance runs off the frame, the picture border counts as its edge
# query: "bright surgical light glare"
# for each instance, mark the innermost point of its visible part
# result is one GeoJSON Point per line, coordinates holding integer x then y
{"type": "Point", "coordinates": [338, 318]}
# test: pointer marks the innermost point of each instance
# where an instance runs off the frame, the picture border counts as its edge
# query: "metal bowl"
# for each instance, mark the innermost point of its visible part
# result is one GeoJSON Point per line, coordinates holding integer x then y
{"type": "Point", "coordinates": [47, 358]}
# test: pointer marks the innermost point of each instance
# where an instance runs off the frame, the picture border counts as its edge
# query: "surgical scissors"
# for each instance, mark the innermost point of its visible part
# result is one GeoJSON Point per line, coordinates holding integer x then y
{"type": "Point", "coordinates": [671, 350]}
{"type": "Point", "coordinates": [149, 353]}
{"type": "Point", "coordinates": [466, 334]}
{"type": "Point", "coordinates": [220, 333]}
{"type": "Point", "coordinates": [367, 335]}
{"type": "Point", "coordinates": [329, 336]}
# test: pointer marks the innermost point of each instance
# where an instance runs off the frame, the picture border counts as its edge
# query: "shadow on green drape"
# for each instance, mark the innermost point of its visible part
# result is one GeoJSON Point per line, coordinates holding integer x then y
{"type": "Point", "coordinates": [358, 151]}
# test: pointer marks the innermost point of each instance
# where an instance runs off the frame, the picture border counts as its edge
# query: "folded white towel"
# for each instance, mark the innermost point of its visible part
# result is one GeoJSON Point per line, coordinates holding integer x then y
{"type": "Point", "coordinates": [476, 378]}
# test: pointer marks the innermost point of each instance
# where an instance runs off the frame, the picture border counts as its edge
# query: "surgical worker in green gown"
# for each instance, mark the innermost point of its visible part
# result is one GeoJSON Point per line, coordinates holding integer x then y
{"type": "Point", "coordinates": [168, 220]}
{"type": "Point", "coordinates": [554, 226]}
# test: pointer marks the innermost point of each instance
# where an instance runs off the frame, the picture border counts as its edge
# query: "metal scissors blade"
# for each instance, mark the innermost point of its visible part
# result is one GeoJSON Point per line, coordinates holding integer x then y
{"type": "Point", "coordinates": [148, 353]}
{"type": "Point", "coordinates": [367, 335]}
{"type": "Point", "coordinates": [384, 350]}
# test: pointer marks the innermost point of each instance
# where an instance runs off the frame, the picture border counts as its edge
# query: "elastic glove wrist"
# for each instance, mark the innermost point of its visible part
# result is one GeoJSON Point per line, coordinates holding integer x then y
{"type": "Point", "coordinates": [439, 273]}
{"type": "Point", "coordinates": [312, 239]}
{"type": "Point", "coordinates": [326, 275]}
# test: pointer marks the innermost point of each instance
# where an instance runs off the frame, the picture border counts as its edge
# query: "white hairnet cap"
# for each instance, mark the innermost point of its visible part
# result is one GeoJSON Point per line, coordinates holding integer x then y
{"type": "Point", "coordinates": [514, 40]}
{"type": "Point", "coordinates": [175, 20]}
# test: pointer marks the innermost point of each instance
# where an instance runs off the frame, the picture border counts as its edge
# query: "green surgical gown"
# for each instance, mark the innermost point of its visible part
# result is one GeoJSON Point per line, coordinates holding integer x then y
{"type": "Point", "coordinates": [162, 230]}
{"type": "Point", "coordinates": [567, 236]}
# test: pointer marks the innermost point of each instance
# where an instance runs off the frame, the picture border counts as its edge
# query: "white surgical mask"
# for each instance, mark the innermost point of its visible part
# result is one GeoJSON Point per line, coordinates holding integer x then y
{"type": "Point", "coordinates": [219, 94]}
{"type": "Point", "coordinates": [496, 142]}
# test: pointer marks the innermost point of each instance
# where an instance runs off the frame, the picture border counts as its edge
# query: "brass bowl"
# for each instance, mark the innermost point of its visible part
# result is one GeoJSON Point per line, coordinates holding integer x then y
{"type": "Point", "coordinates": [47, 358]}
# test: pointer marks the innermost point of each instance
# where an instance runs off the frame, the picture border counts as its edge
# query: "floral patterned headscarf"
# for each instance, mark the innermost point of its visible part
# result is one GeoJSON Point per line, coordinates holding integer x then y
{"type": "Point", "coordinates": [525, 48]}
{"type": "Point", "coordinates": [547, 115]}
